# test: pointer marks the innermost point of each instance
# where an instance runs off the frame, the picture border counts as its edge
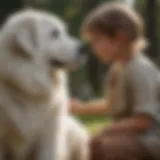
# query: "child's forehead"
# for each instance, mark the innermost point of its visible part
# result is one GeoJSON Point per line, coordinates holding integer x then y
{"type": "Point", "coordinates": [90, 35]}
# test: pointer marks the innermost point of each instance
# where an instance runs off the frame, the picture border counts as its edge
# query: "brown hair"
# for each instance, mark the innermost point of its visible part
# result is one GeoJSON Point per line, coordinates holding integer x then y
{"type": "Point", "coordinates": [112, 17]}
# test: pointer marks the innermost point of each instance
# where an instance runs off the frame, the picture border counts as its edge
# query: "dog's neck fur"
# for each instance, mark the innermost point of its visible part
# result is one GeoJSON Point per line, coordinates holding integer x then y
{"type": "Point", "coordinates": [18, 95]}
{"type": "Point", "coordinates": [16, 105]}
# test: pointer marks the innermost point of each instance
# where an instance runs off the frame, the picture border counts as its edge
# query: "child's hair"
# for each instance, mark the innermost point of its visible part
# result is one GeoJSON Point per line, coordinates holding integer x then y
{"type": "Point", "coordinates": [112, 17]}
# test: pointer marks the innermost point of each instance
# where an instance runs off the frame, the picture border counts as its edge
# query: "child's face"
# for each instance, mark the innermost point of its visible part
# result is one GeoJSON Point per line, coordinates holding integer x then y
{"type": "Point", "coordinates": [105, 48]}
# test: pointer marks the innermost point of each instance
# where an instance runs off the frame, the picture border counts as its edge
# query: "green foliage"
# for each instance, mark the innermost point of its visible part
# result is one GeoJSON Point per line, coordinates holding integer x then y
{"type": "Point", "coordinates": [8, 8]}
{"type": "Point", "coordinates": [95, 123]}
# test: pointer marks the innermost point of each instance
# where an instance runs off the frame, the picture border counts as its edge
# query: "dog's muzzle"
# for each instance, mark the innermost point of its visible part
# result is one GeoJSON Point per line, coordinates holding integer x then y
{"type": "Point", "coordinates": [80, 58]}
{"type": "Point", "coordinates": [82, 50]}
{"type": "Point", "coordinates": [82, 53]}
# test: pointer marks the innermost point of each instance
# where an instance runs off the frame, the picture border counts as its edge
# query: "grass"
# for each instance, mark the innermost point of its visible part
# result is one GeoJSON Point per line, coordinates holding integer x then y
{"type": "Point", "coordinates": [94, 123]}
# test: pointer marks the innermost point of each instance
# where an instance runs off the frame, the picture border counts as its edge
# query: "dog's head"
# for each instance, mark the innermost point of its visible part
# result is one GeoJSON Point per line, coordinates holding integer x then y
{"type": "Point", "coordinates": [32, 45]}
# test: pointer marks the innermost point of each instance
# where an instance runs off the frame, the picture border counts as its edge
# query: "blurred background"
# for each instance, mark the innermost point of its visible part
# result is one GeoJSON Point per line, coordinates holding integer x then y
{"type": "Point", "coordinates": [88, 81]}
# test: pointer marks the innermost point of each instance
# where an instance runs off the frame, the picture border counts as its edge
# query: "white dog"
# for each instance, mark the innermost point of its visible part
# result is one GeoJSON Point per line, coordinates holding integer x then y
{"type": "Point", "coordinates": [33, 103]}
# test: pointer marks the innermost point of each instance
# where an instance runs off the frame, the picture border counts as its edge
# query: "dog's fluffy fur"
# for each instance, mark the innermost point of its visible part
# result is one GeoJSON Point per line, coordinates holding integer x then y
{"type": "Point", "coordinates": [77, 140]}
{"type": "Point", "coordinates": [33, 102]}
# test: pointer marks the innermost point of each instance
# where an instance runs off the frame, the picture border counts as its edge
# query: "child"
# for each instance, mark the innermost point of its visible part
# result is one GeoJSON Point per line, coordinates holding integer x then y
{"type": "Point", "coordinates": [116, 35]}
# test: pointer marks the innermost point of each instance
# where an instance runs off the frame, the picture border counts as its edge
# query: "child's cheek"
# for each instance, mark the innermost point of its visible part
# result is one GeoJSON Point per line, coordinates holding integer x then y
{"type": "Point", "coordinates": [108, 53]}
{"type": "Point", "coordinates": [104, 51]}
{"type": "Point", "coordinates": [101, 52]}
{"type": "Point", "coordinates": [112, 52]}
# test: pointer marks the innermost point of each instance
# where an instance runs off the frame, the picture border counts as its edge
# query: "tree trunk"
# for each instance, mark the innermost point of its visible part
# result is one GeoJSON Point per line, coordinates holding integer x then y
{"type": "Point", "coordinates": [151, 29]}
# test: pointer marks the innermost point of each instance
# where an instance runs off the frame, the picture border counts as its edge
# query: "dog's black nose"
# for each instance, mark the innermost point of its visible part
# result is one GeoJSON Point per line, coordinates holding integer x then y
{"type": "Point", "coordinates": [82, 50]}
{"type": "Point", "coordinates": [57, 63]}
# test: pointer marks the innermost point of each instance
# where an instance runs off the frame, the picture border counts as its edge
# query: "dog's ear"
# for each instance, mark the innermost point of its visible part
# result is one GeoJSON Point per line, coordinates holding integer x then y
{"type": "Point", "coordinates": [24, 43]}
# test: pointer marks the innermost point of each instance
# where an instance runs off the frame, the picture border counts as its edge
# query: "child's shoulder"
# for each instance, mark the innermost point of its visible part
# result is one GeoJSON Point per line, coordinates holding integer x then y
{"type": "Point", "coordinates": [141, 64]}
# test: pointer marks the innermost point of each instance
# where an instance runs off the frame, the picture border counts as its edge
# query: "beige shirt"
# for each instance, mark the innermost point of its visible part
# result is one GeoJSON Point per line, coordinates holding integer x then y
{"type": "Point", "coordinates": [135, 90]}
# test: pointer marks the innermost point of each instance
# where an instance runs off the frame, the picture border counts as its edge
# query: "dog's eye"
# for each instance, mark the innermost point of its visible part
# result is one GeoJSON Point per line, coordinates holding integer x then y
{"type": "Point", "coordinates": [55, 33]}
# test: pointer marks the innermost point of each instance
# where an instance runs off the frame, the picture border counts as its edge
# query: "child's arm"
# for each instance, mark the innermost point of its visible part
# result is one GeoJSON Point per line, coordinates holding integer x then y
{"type": "Point", "coordinates": [90, 108]}
{"type": "Point", "coordinates": [133, 125]}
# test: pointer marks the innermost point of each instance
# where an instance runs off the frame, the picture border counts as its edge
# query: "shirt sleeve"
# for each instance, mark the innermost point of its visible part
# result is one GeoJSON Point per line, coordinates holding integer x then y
{"type": "Point", "coordinates": [142, 80]}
